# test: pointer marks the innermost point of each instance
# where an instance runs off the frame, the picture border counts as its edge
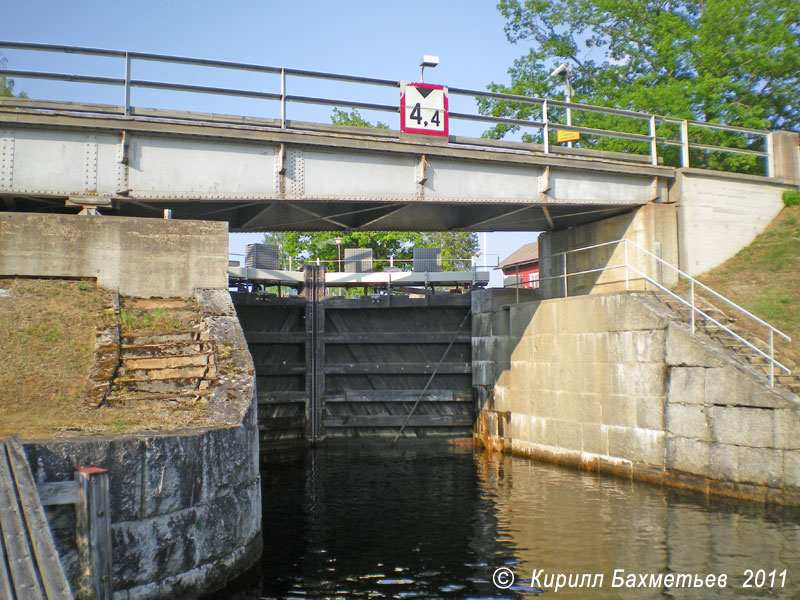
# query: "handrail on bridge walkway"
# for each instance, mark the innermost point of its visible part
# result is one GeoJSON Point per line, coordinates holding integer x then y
{"type": "Point", "coordinates": [544, 124]}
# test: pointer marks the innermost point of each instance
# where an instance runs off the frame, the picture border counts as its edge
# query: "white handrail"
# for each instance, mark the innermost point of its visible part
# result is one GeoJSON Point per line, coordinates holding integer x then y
{"type": "Point", "coordinates": [650, 138]}
{"type": "Point", "coordinates": [712, 292]}
{"type": "Point", "coordinates": [626, 264]}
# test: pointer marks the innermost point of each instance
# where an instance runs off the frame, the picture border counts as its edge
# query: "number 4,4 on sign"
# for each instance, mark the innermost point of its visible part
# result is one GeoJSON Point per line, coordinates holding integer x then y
{"type": "Point", "coordinates": [423, 109]}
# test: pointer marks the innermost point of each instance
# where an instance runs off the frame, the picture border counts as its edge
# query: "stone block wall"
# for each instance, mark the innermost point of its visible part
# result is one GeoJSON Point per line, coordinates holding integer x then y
{"type": "Point", "coordinates": [611, 383]}
{"type": "Point", "coordinates": [185, 506]}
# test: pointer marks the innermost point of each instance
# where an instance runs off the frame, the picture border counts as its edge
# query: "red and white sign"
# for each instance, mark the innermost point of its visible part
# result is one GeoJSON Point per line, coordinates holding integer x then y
{"type": "Point", "coordinates": [423, 109]}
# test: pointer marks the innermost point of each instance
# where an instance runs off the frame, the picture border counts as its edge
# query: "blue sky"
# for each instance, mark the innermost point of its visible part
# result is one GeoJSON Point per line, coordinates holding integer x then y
{"type": "Point", "coordinates": [370, 38]}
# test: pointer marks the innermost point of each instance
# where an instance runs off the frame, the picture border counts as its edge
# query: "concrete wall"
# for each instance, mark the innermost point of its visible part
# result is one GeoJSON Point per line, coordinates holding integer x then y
{"type": "Point", "coordinates": [185, 506]}
{"type": "Point", "coordinates": [721, 213]}
{"type": "Point", "coordinates": [654, 227]}
{"type": "Point", "coordinates": [137, 257]}
{"type": "Point", "coordinates": [611, 383]}
{"type": "Point", "coordinates": [708, 218]}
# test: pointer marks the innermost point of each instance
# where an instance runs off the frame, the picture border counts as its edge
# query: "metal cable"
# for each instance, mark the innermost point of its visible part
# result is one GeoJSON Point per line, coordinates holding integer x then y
{"type": "Point", "coordinates": [430, 379]}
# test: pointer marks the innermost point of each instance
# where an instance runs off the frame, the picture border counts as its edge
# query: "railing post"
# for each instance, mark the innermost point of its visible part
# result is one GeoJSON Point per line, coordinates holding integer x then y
{"type": "Point", "coordinates": [564, 268]}
{"type": "Point", "coordinates": [685, 143]}
{"type": "Point", "coordinates": [769, 148]}
{"type": "Point", "coordinates": [546, 133]}
{"type": "Point", "coordinates": [283, 98]}
{"type": "Point", "coordinates": [691, 301]}
{"type": "Point", "coordinates": [516, 282]}
{"type": "Point", "coordinates": [653, 144]}
{"type": "Point", "coordinates": [127, 85]}
{"type": "Point", "coordinates": [93, 532]}
{"type": "Point", "coordinates": [627, 275]}
{"type": "Point", "coordinates": [771, 359]}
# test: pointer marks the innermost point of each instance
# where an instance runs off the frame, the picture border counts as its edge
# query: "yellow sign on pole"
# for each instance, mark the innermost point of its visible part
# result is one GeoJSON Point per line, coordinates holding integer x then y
{"type": "Point", "coordinates": [567, 136]}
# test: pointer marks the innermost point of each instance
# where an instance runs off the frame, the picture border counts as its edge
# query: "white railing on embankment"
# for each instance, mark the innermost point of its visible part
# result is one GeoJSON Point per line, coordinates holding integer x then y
{"type": "Point", "coordinates": [629, 248]}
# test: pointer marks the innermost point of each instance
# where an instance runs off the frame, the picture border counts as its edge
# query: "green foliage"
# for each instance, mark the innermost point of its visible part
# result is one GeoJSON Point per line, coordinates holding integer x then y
{"type": "Point", "coordinates": [309, 246]}
{"type": "Point", "coordinates": [735, 62]}
{"type": "Point", "coordinates": [353, 119]}
{"type": "Point", "coordinates": [791, 197]}
{"type": "Point", "coordinates": [147, 320]}
{"type": "Point", "coordinates": [7, 85]}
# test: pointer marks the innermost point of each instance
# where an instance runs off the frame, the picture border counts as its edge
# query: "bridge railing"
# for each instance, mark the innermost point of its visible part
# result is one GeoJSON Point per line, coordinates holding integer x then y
{"type": "Point", "coordinates": [662, 132]}
{"type": "Point", "coordinates": [630, 261]}
{"type": "Point", "coordinates": [473, 263]}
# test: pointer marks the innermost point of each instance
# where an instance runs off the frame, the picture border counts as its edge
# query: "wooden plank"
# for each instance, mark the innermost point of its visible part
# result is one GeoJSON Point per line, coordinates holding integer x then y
{"type": "Point", "coordinates": [60, 492]}
{"type": "Point", "coordinates": [50, 568]}
{"type": "Point", "coordinates": [402, 337]}
{"type": "Point", "coordinates": [275, 337]}
{"type": "Point", "coordinates": [398, 396]}
{"type": "Point", "coordinates": [6, 591]}
{"type": "Point", "coordinates": [396, 421]}
{"type": "Point", "coordinates": [284, 397]}
{"type": "Point", "coordinates": [93, 534]}
{"type": "Point", "coordinates": [395, 368]}
{"type": "Point", "coordinates": [281, 369]}
{"type": "Point", "coordinates": [20, 559]}
{"type": "Point", "coordinates": [276, 423]}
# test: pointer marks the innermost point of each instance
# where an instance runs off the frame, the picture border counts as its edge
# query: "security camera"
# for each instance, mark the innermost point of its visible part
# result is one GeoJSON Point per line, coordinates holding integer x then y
{"type": "Point", "coordinates": [559, 70]}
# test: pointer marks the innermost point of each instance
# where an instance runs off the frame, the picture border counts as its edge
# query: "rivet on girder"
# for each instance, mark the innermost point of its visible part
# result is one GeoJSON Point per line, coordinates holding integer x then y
{"type": "Point", "coordinates": [7, 160]}
{"type": "Point", "coordinates": [90, 165]}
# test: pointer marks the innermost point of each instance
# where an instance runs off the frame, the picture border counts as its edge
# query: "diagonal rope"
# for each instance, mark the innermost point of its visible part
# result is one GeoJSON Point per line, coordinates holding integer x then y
{"type": "Point", "coordinates": [430, 379]}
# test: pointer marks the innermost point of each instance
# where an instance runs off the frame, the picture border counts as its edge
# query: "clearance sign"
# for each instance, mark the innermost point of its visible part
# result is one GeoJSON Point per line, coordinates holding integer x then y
{"type": "Point", "coordinates": [423, 109]}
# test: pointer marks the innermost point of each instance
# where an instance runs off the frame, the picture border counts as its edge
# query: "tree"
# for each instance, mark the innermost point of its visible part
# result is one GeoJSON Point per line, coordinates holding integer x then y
{"type": "Point", "coordinates": [400, 245]}
{"type": "Point", "coordinates": [733, 62]}
{"type": "Point", "coordinates": [6, 85]}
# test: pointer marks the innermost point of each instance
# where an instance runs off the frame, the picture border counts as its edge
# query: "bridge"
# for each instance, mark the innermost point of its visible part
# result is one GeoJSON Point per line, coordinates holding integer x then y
{"type": "Point", "coordinates": [277, 173]}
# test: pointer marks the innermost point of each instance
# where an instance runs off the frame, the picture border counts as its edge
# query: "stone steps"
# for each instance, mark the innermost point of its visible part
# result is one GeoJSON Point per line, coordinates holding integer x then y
{"type": "Point", "coordinates": [175, 399]}
{"type": "Point", "coordinates": [160, 339]}
{"type": "Point", "coordinates": [174, 368]}
{"type": "Point", "coordinates": [743, 352]}
{"type": "Point", "coordinates": [165, 350]}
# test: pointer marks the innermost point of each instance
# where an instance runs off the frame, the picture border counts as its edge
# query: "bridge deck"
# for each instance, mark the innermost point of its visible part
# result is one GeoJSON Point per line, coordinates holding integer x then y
{"type": "Point", "coordinates": [260, 176]}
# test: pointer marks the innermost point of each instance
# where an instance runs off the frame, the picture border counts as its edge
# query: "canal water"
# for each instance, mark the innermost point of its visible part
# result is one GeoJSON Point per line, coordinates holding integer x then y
{"type": "Point", "coordinates": [437, 521]}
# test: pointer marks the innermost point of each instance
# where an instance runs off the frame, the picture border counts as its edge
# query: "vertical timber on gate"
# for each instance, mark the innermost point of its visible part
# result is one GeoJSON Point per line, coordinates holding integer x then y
{"type": "Point", "coordinates": [315, 350]}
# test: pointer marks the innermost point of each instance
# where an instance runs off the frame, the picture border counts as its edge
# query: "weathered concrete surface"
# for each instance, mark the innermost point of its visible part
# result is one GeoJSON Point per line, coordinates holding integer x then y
{"type": "Point", "coordinates": [708, 217]}
{"type": "Point", "coordinates": [652, 226]}
{"type": "Point", "coordinates": [611, 383]}
{"type": "Point", "coordinates": [185, 506]}
{"type": "Point", "coordinates": [721, 213]}
{"type": "Point", "coordinates": [134, 256]}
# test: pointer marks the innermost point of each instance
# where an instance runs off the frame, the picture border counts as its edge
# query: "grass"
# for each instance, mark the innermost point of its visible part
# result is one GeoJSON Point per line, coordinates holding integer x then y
{"type": "Point", "coordinates": [764, 278]}
{"type": "Point", "coordinates": [143, 321]}
{"type": "Point", "coordinates": [47, 339]}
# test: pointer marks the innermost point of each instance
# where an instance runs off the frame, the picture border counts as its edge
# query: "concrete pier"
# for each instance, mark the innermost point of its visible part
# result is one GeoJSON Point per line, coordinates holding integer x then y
{"type": "Point", "coordinates": [611, 383]}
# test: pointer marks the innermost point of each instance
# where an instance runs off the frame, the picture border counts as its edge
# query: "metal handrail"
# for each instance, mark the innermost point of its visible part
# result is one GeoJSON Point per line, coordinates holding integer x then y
{"type": "Point", "coordinates": [626, 264]}
{"type": "Point", "coordinates": [544, 124]}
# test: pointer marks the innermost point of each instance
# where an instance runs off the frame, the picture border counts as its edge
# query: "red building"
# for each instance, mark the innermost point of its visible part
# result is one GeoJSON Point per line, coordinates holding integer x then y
{"type": "Point", "coordinates": [522, 267]}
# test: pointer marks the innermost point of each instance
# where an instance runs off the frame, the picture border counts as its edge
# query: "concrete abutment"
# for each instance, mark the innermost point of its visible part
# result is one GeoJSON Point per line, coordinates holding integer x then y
{"type": "Point", "coordinates": [185, 505]}
{"type": "Point", "coordinates": [611, 383]}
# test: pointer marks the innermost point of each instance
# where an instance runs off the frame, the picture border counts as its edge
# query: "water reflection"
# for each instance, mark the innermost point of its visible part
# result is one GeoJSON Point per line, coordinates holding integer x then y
{"type": "Point", "coordinates": [367, 521]}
